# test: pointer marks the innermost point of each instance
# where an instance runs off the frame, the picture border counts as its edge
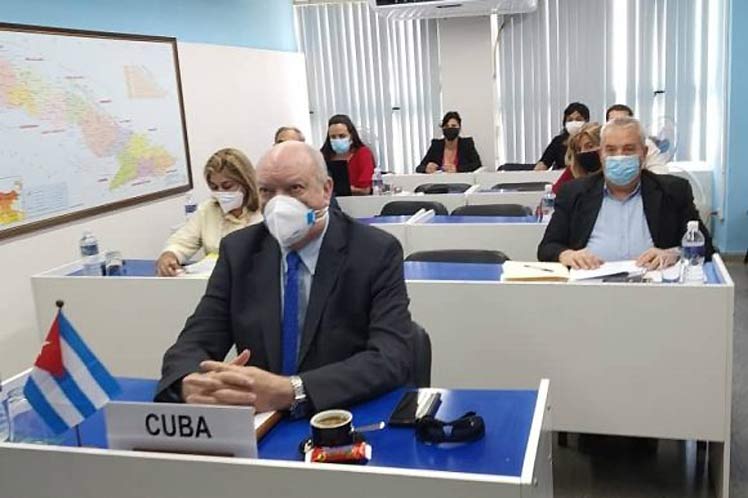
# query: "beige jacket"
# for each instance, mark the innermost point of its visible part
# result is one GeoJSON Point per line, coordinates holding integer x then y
{"type": "Point", "coordinates": [205, 229]}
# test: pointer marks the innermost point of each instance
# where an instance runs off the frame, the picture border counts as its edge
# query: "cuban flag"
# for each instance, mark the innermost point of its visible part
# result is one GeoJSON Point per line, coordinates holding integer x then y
{"type": "Point", "coordinates": [68, 383]}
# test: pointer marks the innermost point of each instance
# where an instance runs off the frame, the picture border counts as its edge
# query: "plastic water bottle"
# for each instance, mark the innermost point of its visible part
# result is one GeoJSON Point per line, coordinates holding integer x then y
{"type": "Point", "coordinates": [692, 254]}
{"type": "Point", "coordinates": [377, 182]}
{"type": "Point", "coordinates": [190, 206]}
{"type": "Point", "coordinates": [547, 204]}
{"type": "Point", "coordinates": [92, 262]}
{"type": "Point", "coordinates": [4, 418]}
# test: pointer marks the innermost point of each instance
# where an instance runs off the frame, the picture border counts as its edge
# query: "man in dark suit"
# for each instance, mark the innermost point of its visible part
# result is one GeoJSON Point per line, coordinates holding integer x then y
{"type": "Point", "coordinates": [624, 213]}
{"type": "Point", "coordinates": [315, 301]}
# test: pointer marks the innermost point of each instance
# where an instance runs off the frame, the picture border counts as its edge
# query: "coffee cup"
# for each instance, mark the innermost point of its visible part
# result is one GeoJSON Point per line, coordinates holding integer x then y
{"type": "Point", "coordinates": [332, 428]}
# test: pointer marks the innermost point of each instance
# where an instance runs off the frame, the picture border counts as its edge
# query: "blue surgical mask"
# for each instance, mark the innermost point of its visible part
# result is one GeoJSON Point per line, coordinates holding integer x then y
{"type": "Point", "coordinates": [621, 170]}
{"type": "Point", "coordinates": [340, 145]}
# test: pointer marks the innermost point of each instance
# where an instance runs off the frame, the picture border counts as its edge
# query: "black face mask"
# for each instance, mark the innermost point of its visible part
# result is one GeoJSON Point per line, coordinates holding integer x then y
{"type": "Point", "coordinates": [451, 133]}
{"type": "Point", "coordinates": [589, 161]}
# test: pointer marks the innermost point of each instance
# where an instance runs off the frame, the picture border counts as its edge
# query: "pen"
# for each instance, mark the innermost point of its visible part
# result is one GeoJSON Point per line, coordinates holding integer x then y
{"type": "Point", "coordinates": [538, 268]}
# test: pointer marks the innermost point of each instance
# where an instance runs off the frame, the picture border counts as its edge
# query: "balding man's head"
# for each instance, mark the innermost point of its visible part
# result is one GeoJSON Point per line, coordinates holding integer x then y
{"type": "Point", "coordinates": [297, 170]}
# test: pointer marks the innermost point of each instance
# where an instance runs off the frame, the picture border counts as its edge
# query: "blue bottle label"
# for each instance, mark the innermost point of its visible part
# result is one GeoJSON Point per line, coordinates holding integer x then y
{"type": "Point", "coordinates": [89, 250]}
{"type": "Point", "coordinates": [691, 252]}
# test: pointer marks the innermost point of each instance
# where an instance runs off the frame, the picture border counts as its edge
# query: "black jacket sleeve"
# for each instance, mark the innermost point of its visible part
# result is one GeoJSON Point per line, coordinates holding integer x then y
{"type": "Point", "coordinates": [385, 363]}
{"type": "Point", "coordinates": [206, 334]}
{"type": "Point", "coordinates": [687, 211]}
{"type": "Point", "coordinates": [558, 233]}
{"type": "Point", "coordinates": [432, 155]}
{"type": "Point", "coordinates": [469, 157]}
{"type": "Point", "coordinates": [552, 153]}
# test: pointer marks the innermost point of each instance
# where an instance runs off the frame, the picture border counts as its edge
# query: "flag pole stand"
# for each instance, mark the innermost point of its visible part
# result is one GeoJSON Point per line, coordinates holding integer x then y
{"type": "Point", "coordinates": [78, 436]}
{"type": "Point", "coordinates": [60, 303]}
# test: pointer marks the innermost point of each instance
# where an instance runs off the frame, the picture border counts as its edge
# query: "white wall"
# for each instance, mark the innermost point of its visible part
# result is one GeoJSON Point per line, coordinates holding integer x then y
{"type": "Point", "coordinates": [233, 97]}
{"type": "Point", "coordinates": [465, 52]}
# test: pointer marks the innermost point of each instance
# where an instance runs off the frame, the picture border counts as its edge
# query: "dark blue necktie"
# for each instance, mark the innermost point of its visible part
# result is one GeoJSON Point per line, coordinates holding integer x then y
{"type": "Point", "coordinates": [291, 313]}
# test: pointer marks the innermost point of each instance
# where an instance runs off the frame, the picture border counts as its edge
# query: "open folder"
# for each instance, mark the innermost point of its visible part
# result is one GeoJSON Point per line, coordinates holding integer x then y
{"type": "Point", "coordinates": [265, 421]}
{"type": "Point", "coordinates": [533, 271]}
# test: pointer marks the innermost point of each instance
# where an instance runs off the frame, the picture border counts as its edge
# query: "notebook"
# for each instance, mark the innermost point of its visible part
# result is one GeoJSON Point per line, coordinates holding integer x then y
{"type": "Point", "coordinates": [533, 271]}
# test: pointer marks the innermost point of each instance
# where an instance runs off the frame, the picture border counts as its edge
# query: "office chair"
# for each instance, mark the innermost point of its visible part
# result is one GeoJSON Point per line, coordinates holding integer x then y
{"type": "Point", "coordinates": [492, 210]}
{"type": "Point", "coordinates": [521, 187]}
{"type": "Point", "coordinates": [406, 208]}
{"type": "Point", "coordinates": [420, 376]}
{"type": "Point", "coordinates": [443, 188]}
{"type": "Point", "coordinates": [516, 167]}
{"type": "Point", "coordinates": [459, 256]}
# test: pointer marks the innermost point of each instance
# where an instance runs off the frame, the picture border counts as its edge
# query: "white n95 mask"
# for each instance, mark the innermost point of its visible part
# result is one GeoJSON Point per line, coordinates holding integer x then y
{"type": "Point", "coordinates": [289, 220]}
{"type": "Point", "coordinates": [573, 127]}
{"type": "Point", "coordinates": [229, 200]}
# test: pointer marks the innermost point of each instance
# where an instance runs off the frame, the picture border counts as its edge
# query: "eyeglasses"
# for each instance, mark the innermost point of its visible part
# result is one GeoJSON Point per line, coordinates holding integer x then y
{"type": "Point", "coordinates": [469, 427]}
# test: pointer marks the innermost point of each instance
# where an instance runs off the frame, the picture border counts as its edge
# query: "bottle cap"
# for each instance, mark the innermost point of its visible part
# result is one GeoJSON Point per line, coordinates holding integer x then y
{"type": "Point", "coordinates": [692, 225]}
{"type": "Point", "coordinates": [548, 187]}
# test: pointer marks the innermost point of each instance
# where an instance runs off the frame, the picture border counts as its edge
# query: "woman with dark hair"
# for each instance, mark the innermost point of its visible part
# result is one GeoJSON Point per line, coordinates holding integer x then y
{"type": "Point", "coordinates": [451, 154]}
{"type": "Point", "coordinates": [576, 115]}
{"type": "Point", "coordinates": [344, 144]}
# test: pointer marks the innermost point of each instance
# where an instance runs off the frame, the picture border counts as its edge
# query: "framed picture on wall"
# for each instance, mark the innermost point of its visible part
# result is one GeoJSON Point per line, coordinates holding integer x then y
{"type": "Point", "coordinates": [90, 122]}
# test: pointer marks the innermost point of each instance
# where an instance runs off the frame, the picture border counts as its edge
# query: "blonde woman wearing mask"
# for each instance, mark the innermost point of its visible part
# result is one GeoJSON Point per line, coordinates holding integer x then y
{"type": "Point", "coordinates": [234, 204]}
{"type": "Point", "coordinates": [582, 155]}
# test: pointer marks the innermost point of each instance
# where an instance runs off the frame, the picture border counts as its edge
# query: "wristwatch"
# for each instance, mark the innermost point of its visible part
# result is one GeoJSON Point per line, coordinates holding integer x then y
{"type": "Point", "coordinates": [300, 404]}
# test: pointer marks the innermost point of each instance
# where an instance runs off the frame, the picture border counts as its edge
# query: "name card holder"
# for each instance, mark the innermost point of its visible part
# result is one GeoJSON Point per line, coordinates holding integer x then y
{"type": "Point", "coordinates": [191, 429]}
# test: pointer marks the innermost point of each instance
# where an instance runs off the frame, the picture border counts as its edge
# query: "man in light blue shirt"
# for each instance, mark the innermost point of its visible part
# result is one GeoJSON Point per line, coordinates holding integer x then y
{"type": "Point", "coordinates": [621, 231]}
{"type": "Point", "coordinates": [625, 213]}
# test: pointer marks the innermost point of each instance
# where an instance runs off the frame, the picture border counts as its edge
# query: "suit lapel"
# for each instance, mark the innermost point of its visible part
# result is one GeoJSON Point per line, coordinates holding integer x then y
{"type": "Point", "coordinates": [589, 207]}
{"type": "Point", "coordinates": [265, 273]}
{"type": "Point", "coordinates": [652, 201]}
{"type": "Point", "coordinates": [330, 263]}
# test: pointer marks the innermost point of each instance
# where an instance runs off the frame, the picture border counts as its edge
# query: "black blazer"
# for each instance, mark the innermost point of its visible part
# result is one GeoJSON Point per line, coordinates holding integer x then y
{"type": "Point", "coordinates": [467, 157]}
{"type": "Point", "coordinates": [357, 334]}
{"type": "Point", "coordinates": [668, 207]}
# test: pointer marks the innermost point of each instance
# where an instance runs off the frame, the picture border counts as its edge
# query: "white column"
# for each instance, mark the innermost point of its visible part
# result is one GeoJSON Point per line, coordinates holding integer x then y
{"type": "Point", "coordinates": [466, 57]}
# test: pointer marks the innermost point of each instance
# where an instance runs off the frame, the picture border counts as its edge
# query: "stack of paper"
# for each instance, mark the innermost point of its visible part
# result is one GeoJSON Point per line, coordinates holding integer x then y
{"type": "Point", "coordinates": [521, 271]}
{"type": "Point", "coordinates": [608, 269]}
{"type": "Point", "coordinates": [203, 267]}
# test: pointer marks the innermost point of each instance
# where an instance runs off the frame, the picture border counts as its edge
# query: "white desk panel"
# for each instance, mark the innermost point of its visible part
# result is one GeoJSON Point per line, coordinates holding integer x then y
{"type": "Point", "coordinates": [490, 178]}
{"type": "Point", "coordinates": [410, 182]}
{"type": "Point", "coordinates": [519, 241]}
{"type": "Point", "coordinates": [371, 205]}
{"type": "Point", "coordinates": [529, 199]}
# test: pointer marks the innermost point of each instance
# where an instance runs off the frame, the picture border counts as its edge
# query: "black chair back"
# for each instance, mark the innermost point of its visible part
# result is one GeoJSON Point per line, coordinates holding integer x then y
{"type": "Point", "coordinates": [407, 208]}
{"type": "Point", "coordinates": [492, 210]}
{"type": "Point", "coordinates": [521, 187]}
{"type": "Point", "coordinates": [516, 167]}
{"type": "Point", "coordinates": [443, 188]}
{"type": "Point", "coordinates": [420, 376]}
{"type": "Point", "coordinates": [459, 256]}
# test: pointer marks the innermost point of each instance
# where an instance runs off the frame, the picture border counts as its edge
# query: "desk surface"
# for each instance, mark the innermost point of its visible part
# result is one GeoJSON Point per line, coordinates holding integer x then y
{"type": "Point", "coordinates": [382, 220]}
{"type": "Point", "coordinates": [439, 219]}
{"type": "Point", "coordinates": [483, 219]}
{"type": "Point", "coordinates": [507, 414]}
{"type": "Point", "coordinates": [414, 270]}
{"type": "Point", "coordinates": [418, 270]}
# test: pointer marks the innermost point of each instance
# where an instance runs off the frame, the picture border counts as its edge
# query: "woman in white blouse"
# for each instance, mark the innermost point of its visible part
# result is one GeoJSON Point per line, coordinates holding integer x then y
{"type": "Point", "coordinates": [234, 204]}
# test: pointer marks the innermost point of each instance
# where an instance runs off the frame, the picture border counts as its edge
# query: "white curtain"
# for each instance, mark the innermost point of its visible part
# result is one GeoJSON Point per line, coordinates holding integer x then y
{"type": "Point", "coordinates": [663, 58]}
{"type": "Point", "coordinates": [383, 74]}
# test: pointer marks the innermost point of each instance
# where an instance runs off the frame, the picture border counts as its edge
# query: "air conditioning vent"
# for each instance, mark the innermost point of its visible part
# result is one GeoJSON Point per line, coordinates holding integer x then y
{"type": "Point", "coordinates": [420, 9]}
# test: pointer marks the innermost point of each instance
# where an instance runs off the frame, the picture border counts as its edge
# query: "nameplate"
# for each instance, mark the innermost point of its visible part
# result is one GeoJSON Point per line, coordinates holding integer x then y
{"type": "Point", "coordinates": [181, 428]}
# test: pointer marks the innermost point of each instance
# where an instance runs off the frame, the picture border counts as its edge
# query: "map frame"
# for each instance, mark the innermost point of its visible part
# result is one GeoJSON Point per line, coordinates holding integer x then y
{"type": "Point", "coordinates": [87, 212]}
